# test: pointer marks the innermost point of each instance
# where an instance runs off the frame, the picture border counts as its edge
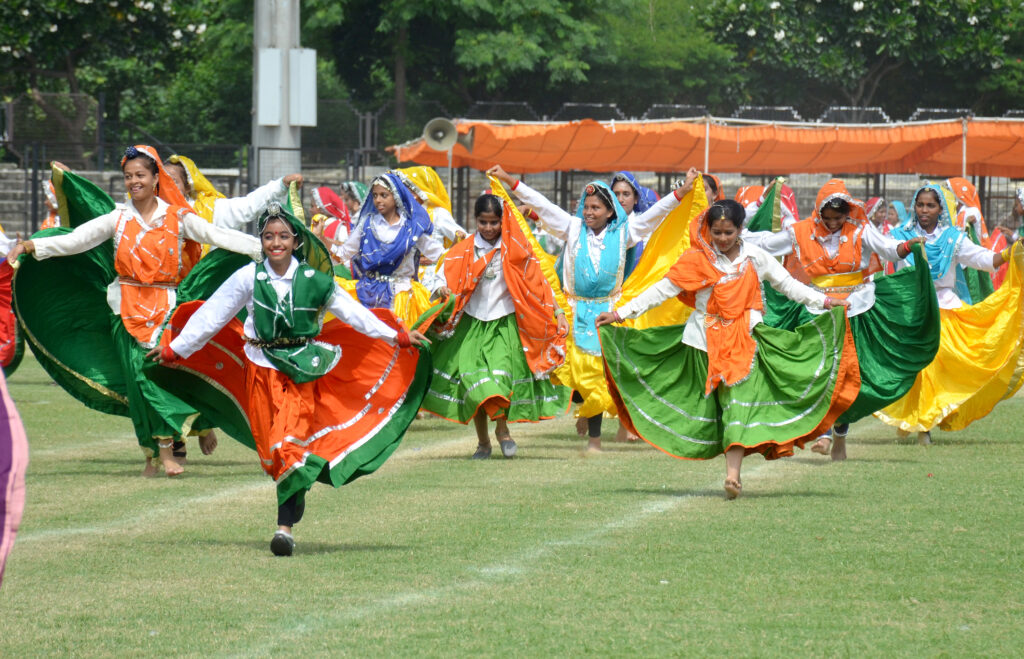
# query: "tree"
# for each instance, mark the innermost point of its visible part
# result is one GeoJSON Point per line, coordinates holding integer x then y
{"type": "Point", "coordinates": [855, 51]}
{"type": "Point", "coordinates": [84, 46]}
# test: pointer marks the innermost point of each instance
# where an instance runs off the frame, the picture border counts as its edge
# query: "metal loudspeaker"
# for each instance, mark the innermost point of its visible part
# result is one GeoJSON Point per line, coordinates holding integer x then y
{"type": "Point", "coordinates": [440, 134]}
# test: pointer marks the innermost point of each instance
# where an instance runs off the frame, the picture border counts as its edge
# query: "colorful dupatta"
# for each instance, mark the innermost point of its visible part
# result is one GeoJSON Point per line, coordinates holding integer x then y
{"type": "Point", "coordinates": [940, 252]}
{"type": "Point", "coordinates": [730, 345]}
{"type": "Point", "coordinates": [533, 298]}
{"type": "Point", "coordinates": [204, 195]}
{"type": "Point", "coordinates": [377, 260]}
{"type": "Point", "coordinates": [645, 197]}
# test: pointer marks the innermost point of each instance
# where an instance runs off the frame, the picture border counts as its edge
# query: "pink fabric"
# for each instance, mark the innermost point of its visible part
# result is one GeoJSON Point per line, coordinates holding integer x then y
{"type": "Point", "coordinates": [13, 463]}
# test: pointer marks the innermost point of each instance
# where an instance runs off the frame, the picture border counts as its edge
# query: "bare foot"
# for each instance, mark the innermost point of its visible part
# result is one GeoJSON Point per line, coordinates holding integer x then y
{"type": "Point", "coordinates": [902, 434]}
{"type": "Point", "coordinates": [171, 466]}
{"type": "Point", "coordinates": [581, 426]}
{"type": "Point", "coordinates": [821, 446]}
{"type": "Point", "coordinates": [150, 470]}
{"type": "Point", "coordinates": [839, 448]}
{"type": "Point", "coordinates": [594, 445]}
{"type": "Point", "coordinates": [733, 488]}
{"type": "Point", "coordinates": [208, 442]}
{"type": "Point", "coordinates": [924, 438]}
{"type": "Point", "coordinates": [624, 435]}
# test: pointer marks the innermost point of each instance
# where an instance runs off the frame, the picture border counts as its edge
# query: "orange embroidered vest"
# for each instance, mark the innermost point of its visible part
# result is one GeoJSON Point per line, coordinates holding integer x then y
{"type": "Point", "coordinates": [825, 271]}
{"type": "Point", "coordinates": [150, 263]}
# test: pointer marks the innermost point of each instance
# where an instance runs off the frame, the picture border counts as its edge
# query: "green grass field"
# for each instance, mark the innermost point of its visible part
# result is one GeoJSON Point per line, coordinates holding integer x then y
{"type": "Point", "coordinates": [902, 550]}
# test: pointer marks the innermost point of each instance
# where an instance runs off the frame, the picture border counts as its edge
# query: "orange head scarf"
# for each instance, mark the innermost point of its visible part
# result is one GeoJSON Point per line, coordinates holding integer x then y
{"type": "Point", "coordinates": [749, 194]}
{"type": "Point", "coordinates": [731, 347]}
{"type": "Point", "coordinates": [167, 190]}
{"type": "Point", "coordinates": [967, 195]}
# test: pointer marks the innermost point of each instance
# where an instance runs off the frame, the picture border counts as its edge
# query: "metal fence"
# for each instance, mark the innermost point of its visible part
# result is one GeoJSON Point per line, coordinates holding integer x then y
{"type": "Point", "coordinates": [350, 144]}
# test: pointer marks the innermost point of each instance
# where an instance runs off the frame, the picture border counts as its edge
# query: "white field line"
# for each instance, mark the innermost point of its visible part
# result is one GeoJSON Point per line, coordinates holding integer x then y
{"type": "Point", "coordinates": [476, 579]}
{"type": "Point", "coordinates": [139, 519]}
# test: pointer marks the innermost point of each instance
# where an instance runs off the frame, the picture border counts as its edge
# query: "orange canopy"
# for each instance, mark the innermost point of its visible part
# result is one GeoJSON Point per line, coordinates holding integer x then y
{"type": "Point", "coordinates": [995, 147]}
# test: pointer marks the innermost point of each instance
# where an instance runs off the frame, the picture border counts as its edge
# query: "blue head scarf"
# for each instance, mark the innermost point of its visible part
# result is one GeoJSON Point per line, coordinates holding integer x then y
{"type": "Point", "coordinates": [593, 283]}
{"type": "Point", "coordinates": [645, 197]}
{"type": "Point", "coordinates": [902, 214]}
{"type": "Point", "coordinates": [377, 258]}
{"type": "Point", "coordinates": [941, 250]}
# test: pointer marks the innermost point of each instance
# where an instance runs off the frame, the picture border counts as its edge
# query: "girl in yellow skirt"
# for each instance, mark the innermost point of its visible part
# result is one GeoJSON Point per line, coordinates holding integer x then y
{"type": "Point", "coordinates": [597, 243]}
{"type": "Point", "coordinates": [978, 363]}
{"type": "Point", "coordinates": [392, 228]}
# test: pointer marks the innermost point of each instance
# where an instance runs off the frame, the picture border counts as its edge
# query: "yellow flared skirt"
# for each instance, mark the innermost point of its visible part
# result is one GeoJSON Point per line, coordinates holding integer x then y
{"type": "Point", "coordinates": [980, 362]}
{"type": "Point", "coordinates": [585, 374]}
{"type": "Point", "coordinates": [407, 305]}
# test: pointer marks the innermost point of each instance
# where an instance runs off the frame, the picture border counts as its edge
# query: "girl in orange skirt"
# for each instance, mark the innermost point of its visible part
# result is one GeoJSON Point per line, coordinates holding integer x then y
{"type": "Point", "coordinates": [310, 414]}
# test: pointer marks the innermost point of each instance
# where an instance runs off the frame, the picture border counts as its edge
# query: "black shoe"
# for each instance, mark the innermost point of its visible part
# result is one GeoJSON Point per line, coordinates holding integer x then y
{"type": "Point", "coordinates": [482, 452]}
{"type": "Point", "coordinates": [282, 544]}
{"type": "Point", "coordinates": [508, 448]}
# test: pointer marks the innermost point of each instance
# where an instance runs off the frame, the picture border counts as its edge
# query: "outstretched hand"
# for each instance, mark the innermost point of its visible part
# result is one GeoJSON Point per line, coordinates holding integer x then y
{"type": "Point", "coordinates": [418, 338]}
{"type": "Point", "coordinates": [499, 173]}
{"type": "Point", "coordinates": [292, 177]}
{"type": "Point", "coordinates": [162, 355]}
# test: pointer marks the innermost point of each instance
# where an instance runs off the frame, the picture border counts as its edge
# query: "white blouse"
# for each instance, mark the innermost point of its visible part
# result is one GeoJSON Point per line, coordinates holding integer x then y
{"type": "Point", "coordinates": [694, 334]}
{"type": "Point", "coordinates": [96, 231]}
{"type": "Point", "coordinates": [873, 241]}
{"type": "Point", "coordinates": [6, 244]}
{"type": "Point", "coordinates": [385, 232]}
{"type": "Point", "coordinates": [237, 212]}
{"type": "Point", "coordinates": [491, 299]}
{"type": "Point", "coordinates": [566, 226]}
{"type": "Point", "coordinates": [966, 254]}
{"type": "Point", "coordinates": [237, 292]}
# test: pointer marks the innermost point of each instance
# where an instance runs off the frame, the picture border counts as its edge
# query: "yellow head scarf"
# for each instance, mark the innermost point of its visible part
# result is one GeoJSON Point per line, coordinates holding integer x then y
{"type": "Point", "coordinates": [203, 193]}
{"type": "Point", "coordinates": [427, 186]}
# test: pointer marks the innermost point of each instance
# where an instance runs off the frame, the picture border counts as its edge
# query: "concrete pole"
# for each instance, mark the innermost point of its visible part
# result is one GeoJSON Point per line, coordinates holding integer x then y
{"type": "Point", "coordinates": [276, 148]}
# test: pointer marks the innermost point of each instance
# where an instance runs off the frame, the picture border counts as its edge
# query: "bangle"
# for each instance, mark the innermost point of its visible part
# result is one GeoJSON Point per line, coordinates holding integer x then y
{"type": "Point", "coordinates": [168, 444]}
{"type": "Point", "coordinates": [515, 185]}
{"type": "Point", "coordinates": [559, 312]}
{"type": "Point", "coordinates": [403, 338]}
{"type": "Point", "coordinates": [168, 355]}
{"type": "Point", "coordinates": [532, 214]}
{"type": "Point", "coordinates": [615, 314]}
{"type": "Point", "coordinates": [906, 247]}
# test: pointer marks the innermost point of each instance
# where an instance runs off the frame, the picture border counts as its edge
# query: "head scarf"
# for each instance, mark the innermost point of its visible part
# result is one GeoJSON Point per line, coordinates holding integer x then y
{"type": "Point", "coordinates": [872, 206]}
{"type": "Point", "coordinates": [204, 195]}
{"type": "Point", "coordinates": [425, 183]}
{"type": "Point", "coordinates": [604, 192]}
{"type": "Point", "coordinates": [719, 192]}
{"type": "Point", "coordinates": [328, 200]}
{"type": "Point", "coordinates": [645, 197]}
{"type": "Point", "coordinates": [836, 189]}
{"type": "Point", "coordinates": [940, 251]}
{"type": "Point", "coordinates": [357, 189]}
{"type": "Point", "coordinates": [166, 187]}
{"type": "Point", "coordinates": [308, 248]}
{"type": "Point", "coordinates": [902, 214]}
{"type": "Point", "coordinates": [405, 203]}
{"type": "Point", "coordinates": [749, 194]}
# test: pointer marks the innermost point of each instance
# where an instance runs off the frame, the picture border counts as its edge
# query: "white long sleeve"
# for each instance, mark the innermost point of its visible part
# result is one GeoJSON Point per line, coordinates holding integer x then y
{"type": "Point", "coordinates": [652, 297]}
{"type": "Point", "coordinates": [196, 228]}
{"type": "Point", "coordinates": [551, 218]}
{"type": "Point", "coordinates": [237, 292]}
{"type": "Point", "coordinates": [84, 237]}
{"type": "Point", "coordinates": [642, 226]}
{"type": "Point", "coordinates": [6, 244]}
{"type": "Point", "coordinates": [237, 212]}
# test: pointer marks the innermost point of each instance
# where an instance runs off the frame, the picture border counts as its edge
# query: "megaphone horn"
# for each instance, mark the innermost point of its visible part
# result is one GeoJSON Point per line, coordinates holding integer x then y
{"type": "Point", "coordinates": [440, 134]}
{"type": "Point", "coordinates": [466, 139]}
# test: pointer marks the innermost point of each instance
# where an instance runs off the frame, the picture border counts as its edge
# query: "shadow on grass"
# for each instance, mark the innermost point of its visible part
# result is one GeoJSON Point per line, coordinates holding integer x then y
{"type": "Point", "coordinates": [712, 493]}
{"type": "Point", "coordinates": [303, 548]}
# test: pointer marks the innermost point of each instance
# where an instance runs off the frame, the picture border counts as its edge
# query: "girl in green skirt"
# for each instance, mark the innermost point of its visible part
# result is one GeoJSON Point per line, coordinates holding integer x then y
{"type": "Point", "coordinates": [504, 334]}
{"type": "Point", "coordinates": [725, 382]}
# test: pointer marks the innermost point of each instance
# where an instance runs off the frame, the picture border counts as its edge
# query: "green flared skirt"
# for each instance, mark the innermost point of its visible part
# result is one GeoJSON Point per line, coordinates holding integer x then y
{"type": "Point", "coordinates": [896, 338]}
{"type": "Point", "coordinates": [799, 382]}
{"type": "Point", "coordinates": [482, 366]}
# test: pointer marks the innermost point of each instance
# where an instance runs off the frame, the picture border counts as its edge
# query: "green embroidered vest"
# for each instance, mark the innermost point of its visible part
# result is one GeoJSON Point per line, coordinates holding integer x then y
{"type": "Point", "coordinates": [286, 327]}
